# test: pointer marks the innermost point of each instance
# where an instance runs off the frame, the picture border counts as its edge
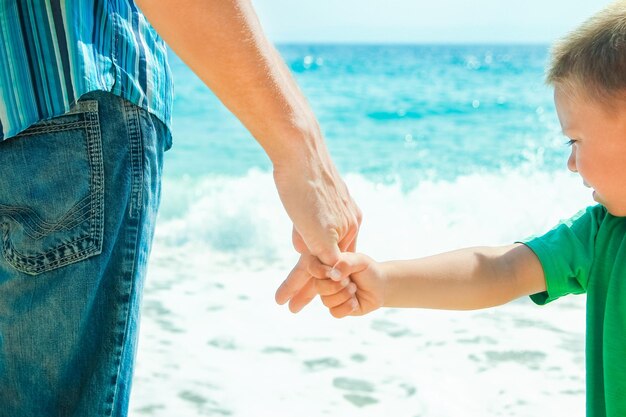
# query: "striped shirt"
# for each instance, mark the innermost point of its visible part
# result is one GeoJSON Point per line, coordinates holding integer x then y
{"type": "Point", "coordinates": [54, 51]}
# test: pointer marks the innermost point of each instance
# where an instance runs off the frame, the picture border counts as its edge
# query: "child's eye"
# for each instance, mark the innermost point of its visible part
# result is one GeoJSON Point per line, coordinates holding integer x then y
{"type": "Point", "coordinates": [570, 142]}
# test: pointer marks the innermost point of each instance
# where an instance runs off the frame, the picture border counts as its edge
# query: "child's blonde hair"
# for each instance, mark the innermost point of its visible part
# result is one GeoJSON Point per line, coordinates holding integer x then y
{"type": "Point", "coordinates": [593, 57]}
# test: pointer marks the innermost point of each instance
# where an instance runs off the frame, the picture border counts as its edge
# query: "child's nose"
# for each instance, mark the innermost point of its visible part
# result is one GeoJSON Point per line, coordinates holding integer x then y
{"type": "Point", "coordinates": [571, 161]}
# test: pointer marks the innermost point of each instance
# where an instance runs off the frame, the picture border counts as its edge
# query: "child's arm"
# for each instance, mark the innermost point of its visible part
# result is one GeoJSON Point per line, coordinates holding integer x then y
{"type": "Point", "coordinates": [464, 279]}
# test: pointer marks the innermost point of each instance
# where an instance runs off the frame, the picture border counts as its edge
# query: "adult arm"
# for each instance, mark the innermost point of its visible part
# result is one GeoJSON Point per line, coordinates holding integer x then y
{"type": "Point", "coordinates": [223, 43]}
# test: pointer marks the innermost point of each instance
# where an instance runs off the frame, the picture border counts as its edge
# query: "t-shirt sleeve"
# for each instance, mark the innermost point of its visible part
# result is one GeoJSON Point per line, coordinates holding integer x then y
{"type": "Point", "coordinates": [566, 254]}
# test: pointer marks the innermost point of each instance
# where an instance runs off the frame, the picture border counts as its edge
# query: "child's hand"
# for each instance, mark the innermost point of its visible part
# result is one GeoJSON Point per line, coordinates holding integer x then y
{"type": "Point", "coordinates": [356, 288]}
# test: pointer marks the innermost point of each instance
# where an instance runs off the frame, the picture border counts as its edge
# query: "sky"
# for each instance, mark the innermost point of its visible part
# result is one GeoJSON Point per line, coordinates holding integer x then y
{"type": "Point", "coordinates": [422, 21]}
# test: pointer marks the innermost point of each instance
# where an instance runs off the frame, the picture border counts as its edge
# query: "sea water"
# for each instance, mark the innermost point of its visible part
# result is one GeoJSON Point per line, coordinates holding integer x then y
{"type": "Point", "coordinates": [442, 146]}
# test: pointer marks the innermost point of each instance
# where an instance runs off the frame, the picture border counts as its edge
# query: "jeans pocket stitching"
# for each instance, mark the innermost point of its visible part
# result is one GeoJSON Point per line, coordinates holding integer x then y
{"type": "Point", "coordinates": [27, 263]}
{"type": "Point", "coordinates": [52, 128]}
{"type": "Point", "coordinates": [97, 178]}
{"type": "Point", "coordinates": [136, 151]}
{"type": "Point", "coordinates": [83, 246]}
{"type": "Point", "coordinates": [36, 227]}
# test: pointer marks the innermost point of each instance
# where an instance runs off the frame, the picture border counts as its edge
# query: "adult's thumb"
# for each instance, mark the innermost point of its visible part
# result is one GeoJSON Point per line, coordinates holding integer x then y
{"type": "Point", "coordinates": [329, 255]}
{"type": "Point", "coordinates": [348, 263]}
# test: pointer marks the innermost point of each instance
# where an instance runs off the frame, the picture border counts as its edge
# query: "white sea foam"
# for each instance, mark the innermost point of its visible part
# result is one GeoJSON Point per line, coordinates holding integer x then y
{"type": "Point", "coordinates": [243, 218]}
{"type": "Point", "coordinates": [214, 343]}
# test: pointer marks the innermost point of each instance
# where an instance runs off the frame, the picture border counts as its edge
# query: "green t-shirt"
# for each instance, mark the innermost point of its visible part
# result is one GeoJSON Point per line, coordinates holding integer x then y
{"type": "Point", "coordinates": [587, 253]}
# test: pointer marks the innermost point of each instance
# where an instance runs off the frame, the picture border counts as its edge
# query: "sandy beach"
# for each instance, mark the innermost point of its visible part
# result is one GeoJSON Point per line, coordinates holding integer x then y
{"type": "Point", "coordinates": [213, 342]}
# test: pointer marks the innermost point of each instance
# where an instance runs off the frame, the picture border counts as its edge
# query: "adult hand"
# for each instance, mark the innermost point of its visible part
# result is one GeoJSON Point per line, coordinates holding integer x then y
{"type": "Point", "coordinates": [223, 42]}
{"type": "Point", "coordinates": [326, 220]}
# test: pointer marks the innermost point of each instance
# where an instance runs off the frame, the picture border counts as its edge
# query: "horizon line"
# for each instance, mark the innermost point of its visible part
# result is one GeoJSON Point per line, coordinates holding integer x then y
{"type": "Point", "coordinates": [413, 43]}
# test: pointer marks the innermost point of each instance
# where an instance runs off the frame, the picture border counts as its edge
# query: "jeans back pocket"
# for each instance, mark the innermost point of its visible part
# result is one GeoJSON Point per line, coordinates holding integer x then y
{"type": "Point", "coordinates": [52, 192]}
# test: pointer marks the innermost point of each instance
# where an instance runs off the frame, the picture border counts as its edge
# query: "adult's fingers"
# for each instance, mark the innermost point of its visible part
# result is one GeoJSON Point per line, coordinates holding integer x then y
{"type": "Point", "coordinates": [298, 242]}
{"type": "Point", "coordinates": [296, 280]}
{"type": "Point", "coordinates": [303, 297]}
{"type": "Point", "coordinates": [352, 246]}
{"type": "Point", "coordinates": [348, 240]}
{"type": "Point", "coordinates": [317, 269]}
{"type": "Point", "coordinates": [330, 255]}
{"type": "Point", "coordinates": [349, 263]}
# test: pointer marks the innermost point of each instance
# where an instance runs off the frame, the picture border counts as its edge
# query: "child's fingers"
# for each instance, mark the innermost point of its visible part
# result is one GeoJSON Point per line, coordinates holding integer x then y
{"type": "Point", "coordinates": [329, 287]}
{"type": "Point", "coordinates": [349, 263]}
{"type": "Point", "coordinates": [339, 298]}
{"type": "Point", "coordinates": [345, 309]}
{"type": "Point", "coordinates": [317, 269]}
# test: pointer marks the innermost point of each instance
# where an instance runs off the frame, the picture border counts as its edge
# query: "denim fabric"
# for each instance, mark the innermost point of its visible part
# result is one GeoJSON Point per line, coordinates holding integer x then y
{"type": "Point", "coordinates": [79, 196]}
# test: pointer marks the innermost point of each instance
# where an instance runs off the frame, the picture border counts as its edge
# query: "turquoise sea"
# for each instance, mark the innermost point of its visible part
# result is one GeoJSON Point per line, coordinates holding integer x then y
{"type": "Point", "coordinates": [392, 113]}
{"type": "Point", "coordinates": [442, 146]}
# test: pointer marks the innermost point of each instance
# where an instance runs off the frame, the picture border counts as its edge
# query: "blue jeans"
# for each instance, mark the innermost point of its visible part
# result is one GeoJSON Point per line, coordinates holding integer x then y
{"type": "Point", "coordinates": [78, 200]}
